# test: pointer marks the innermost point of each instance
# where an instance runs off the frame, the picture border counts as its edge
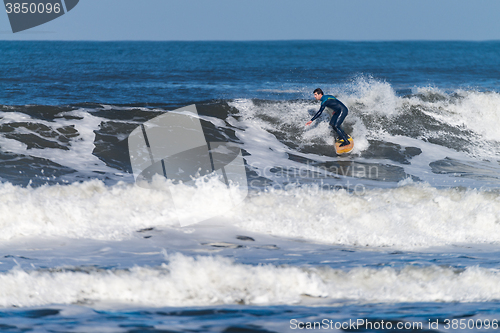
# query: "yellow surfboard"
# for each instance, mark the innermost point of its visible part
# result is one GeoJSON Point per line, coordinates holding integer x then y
{"type": "Point", "coordinates": [346, 149]}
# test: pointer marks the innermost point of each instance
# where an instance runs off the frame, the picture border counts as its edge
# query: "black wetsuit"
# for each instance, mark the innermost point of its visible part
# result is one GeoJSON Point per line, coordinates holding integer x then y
{"type": "Point", "coordinates": [340, 112]}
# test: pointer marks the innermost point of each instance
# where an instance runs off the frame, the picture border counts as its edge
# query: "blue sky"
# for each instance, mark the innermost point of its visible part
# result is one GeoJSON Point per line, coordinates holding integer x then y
{"type": "Point", "coordinates": [269, 20]}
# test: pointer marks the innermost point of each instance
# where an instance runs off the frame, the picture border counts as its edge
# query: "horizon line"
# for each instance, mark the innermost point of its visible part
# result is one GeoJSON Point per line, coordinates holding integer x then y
{"type": "Point", "coordinates": [252, 40]}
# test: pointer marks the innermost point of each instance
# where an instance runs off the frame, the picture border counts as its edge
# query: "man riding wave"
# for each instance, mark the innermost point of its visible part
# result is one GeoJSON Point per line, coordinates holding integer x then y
{"type": "Point", "coordinates": [339, 112]}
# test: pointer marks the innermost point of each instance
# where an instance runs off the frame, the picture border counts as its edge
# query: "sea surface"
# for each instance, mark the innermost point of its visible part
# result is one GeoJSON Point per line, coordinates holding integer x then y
{"type": "Point", "coordinates": [402, 234]}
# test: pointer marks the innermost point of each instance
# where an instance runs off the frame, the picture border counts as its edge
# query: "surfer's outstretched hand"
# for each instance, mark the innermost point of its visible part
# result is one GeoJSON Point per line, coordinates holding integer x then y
{"type": "Point", "coordinates": [309, 122]}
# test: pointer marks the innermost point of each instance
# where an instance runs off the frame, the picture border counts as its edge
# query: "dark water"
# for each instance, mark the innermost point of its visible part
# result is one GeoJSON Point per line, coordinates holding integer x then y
{"type": "Point", "coordinates": [60, 73]}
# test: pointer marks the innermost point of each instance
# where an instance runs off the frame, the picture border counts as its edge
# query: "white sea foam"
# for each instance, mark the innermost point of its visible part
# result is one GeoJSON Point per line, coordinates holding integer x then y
{"type": "Point", "coordinates": [95, 211]}
{"type": "Point", "coordinates": [203, 281]}
{"type": "Point", "coordinates": [476, 111]}
{"type": "Point", "coordinates": [368, 95]}
{"type": "Point", "coordinates": [407, 217]}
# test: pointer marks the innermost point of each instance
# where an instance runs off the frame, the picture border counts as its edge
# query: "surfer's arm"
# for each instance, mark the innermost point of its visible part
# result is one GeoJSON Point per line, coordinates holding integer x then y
{"type": "Point", "coordinates": [318, 113]}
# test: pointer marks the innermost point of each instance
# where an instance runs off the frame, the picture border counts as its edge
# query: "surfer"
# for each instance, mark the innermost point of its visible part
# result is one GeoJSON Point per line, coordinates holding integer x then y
{"type": "Point", "coordinates": [339, 112]}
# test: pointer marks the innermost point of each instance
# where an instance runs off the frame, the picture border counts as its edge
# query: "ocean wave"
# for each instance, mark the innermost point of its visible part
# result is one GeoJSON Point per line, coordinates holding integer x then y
{"type": "Point", "coordinates": [463, 120]}
{"type": "Point", "coordinates": [207, 280]}
{"type": "Point", "coordinates": [428, 135]}
{"type": "Point", "coordinates": [410, 216]}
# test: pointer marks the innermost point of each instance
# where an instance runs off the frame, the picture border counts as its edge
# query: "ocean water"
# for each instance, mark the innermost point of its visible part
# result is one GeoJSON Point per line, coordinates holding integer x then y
{"type": "Point", "coordinates": [402, 234]}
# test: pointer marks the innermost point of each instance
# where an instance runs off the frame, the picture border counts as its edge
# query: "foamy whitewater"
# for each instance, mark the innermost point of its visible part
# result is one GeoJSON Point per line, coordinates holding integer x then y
{"type": "Point", "coordinates": [406, 228]}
